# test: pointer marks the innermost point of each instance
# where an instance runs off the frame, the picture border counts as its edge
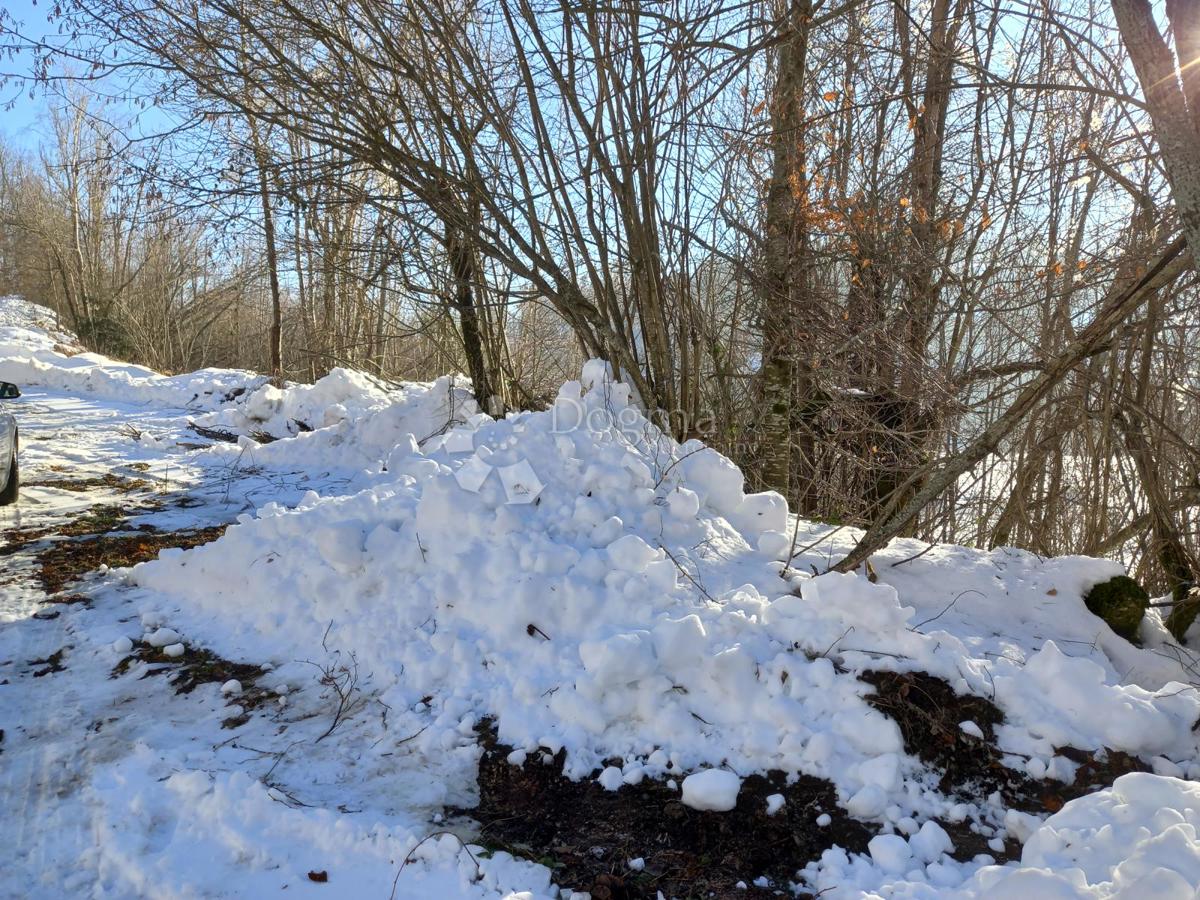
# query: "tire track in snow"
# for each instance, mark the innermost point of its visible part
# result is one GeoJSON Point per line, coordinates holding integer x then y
{"type": "Point", "coordinates": [51, 747]}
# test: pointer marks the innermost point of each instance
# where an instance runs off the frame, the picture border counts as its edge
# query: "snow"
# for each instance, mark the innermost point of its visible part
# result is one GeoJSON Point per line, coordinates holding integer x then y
{"type": "Point", "coordinates": [161, 637]}
{"type": "Point", "coordinates": [231, 831]}
{"type": "Point", "coordinates": [890, 852]}
{"type": "Point", "coordinates": [930, 842]}
{"type": "Point", "coordinates": [611, 779]}
{"type": "Point", "coordinates": [34, 352]}
{"type": "Point", "coordinates": [1060, 695]}
{"type": "Point", "coordinates": [971, 728]}
{"type": "Point", "coordinates": [1138, 838]}
{"type": "Point", "coordinates": [711, 789]}
{"type": "Point", "coordinates": [868, 802]}
{"type": "Point", "coordinates": [355, 420]}
{"type": "Point", "coordinates": [573, 575]}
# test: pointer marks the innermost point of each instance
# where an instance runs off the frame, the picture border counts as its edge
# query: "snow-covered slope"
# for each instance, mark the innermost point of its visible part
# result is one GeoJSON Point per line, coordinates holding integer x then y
{"type": "Point", "coordinates": [591, 586]}
{"type": "Point", "coordinates": [346, 420]}
{"type": "Point", "coordinates": [34, 351]}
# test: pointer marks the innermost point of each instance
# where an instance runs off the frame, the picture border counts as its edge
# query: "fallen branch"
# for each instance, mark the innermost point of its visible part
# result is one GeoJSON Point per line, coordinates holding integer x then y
{"type": "Point", "coordinates": [229, 437]}
{"type": "Point", "coordinates": [342, 681]}
{"type": "Point", "coordinates": [214, 434]}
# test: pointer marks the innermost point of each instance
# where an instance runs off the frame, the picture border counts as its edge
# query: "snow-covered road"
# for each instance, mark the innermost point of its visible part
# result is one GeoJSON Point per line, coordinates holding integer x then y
{"type": "Point", "coordinates": [60, 719]}
{"type": "Point", "coordinates": [82, 751]}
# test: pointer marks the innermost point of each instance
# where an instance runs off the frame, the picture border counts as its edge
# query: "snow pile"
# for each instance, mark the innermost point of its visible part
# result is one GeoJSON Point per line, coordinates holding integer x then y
{"type": "Point", "coordinates": [531, 572]}
{"type": "Point", "coordinates": [594, 586]}
{"type": "Point", "coordinates": [714, 789]}
{"type": "Point", "coordinates": [346, 419]}
{"type": "Point", "coordinates": [19, 315]}
{"type": "Point", "coordinates": [342, 394]}
{"type": "Point", "coordinates": [1139, 838]}
{"type": "Point", "coordinates": [589, 585]}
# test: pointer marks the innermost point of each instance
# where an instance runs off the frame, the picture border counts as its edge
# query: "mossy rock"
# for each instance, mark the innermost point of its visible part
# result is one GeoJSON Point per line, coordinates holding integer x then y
{"type": "Point", "coordinates": [1122, 603]}
{"type": "Point", "coordinates": [1184, 612]}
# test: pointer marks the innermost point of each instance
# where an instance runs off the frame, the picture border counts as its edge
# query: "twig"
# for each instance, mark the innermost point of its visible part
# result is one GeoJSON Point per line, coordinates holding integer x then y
{"type": "Point", "coordinates": [835, 643]}
{"type": "Point", "coordinates": [686, 575]}
{"type": "Point", "coordinates": [343, 681]}
{"type": "Point", "coordinates": [914, 556]}
{"type": "Point", "coordinates": [411, 736]}
{"type": "Point", "coordinates": [807, 547]}
{"type": "Point", "coordinates": [948, 607]}
{"type": "Point", "coordinates": [668, 469]}
{"type": "Point", "coordinates": [409, 858]}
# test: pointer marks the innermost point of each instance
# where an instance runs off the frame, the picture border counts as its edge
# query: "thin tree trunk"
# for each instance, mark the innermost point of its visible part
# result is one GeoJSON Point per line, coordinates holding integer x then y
{"type": "Point", "coordinates": [264, 189]}
{"type": "Point", "coordinates": [465, 275]}
{"type": "Point", "coordinates": [1175, 125]}
{"type": "Point", "coordinates": [784, 276]}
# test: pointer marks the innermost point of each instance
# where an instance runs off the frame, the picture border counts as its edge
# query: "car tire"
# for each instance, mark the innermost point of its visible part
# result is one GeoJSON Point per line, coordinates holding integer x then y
{"type": "Point", "coordinates": [13, 488]}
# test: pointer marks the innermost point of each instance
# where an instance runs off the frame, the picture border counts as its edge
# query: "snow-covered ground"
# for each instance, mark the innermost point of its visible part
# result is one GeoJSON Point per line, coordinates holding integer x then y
{"type": "Point", "coordinates": [572, 575]}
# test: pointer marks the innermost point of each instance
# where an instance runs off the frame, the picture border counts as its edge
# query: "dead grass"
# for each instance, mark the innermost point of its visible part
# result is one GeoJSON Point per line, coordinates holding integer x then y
{"type": "Point", "coordinates": [61, 563]}
{"type": "Point", "coordinates": [52, 663]}
{"type": "Point", "coordinates": [107, 481]}
{"type": "Point", "coordinates": [70, 550]}
{"type": "Point", "coordinates": [100, 519]}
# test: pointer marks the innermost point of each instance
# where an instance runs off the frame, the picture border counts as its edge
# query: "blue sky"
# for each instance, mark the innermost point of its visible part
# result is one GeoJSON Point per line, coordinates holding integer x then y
{"type": "Point", "coordinates": [23, 125]}
{"type": "Point", "coordinates": [20, 125]}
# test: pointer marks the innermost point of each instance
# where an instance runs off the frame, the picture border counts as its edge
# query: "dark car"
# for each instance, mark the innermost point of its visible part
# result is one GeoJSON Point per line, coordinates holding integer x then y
{"type": "Point", "coordinates": [10, 475]}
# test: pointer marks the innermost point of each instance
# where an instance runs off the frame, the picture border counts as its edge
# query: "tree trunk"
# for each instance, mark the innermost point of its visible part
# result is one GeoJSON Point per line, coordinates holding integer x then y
{"type": "Point", "coordinates": [785, 257]}
{"type": "Point", "coordinates": [264, 188]}
{"type": "Point", "coordinates": [1171, 110]}
{"type": "Point", "coordinates": [465, 276]}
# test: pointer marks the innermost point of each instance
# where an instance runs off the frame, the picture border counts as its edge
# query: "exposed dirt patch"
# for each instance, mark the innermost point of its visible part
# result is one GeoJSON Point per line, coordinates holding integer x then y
{"type": "Point", "coordinates": [64, 562]}
{"type": "Point", "coordinates": [587, 835]}
{"type": "Point", "coordinates": [929, 714]}
{"type": "Point", "coordinates": [196, 667]}
{"type": "Point", "coordinates": [52, 663]}
{"type": "Point", "coordinates": [16, 539]}
{"type": "Point", "coordinates": [1097, 770]}
{"type": "Point", "coordinates": [970, 843]}
{"type": "Point", "coordinates": [108, 481]}
{"type": "Point", "coordinates": [101, 519]}
{"type": "Point", "coordinates": [98, 519]}
{"type": "Point", "coordinates": [70, 599]}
